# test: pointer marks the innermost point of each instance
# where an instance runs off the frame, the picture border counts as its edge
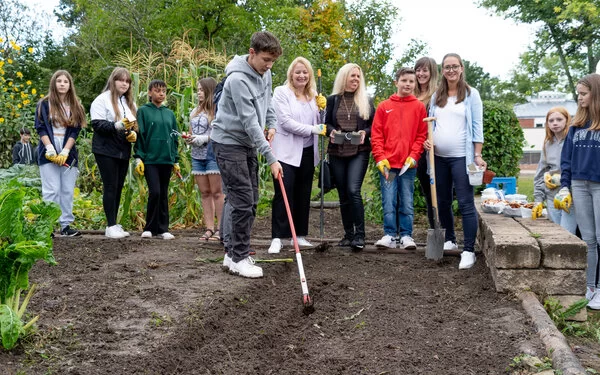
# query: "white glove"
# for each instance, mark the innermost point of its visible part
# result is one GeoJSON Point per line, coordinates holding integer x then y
{"type": "Point", "coordinates": [119, 125]}
{"type": "Point", "coordinates": [50, 150]}
{"type": "Point", "coordinates": [319, 129]}
{"type": "Point", "coordinates": [61, 159]}
{"type": "Point", "coordinates": [199, 140]}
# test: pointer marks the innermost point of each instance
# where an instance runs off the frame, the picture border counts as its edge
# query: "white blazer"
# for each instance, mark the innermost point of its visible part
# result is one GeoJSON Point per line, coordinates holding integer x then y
{"type": "Point", "coordinates": [289, 139]}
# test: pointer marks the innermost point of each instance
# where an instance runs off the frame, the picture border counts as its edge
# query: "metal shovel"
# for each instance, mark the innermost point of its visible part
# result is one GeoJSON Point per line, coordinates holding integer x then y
{"type": "Point", "coordinates": [435, 236]}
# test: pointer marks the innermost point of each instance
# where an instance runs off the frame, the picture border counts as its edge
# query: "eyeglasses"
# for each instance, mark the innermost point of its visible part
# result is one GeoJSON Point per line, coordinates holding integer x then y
{"type": "Point", "coordinates": [450, 68]}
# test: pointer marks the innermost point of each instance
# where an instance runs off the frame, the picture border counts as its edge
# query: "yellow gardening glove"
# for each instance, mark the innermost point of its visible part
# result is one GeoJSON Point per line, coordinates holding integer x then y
{"type": "Point", "coordinates": [536, 211]}
{"type": "Point", "coordinates": [321, 102]}
{"type": "Point", "coordinates": [61, 158]}
{"type": "Point", "coordinates": [412, 163]}
{"type": "Point", "coordinates": [50, 152]}
{"type": "Point", "coordinates": [139, 167]}
{"type": "Point", "coordinates": [131, 137]}
{"type": "Point", "coordinates": [176, 169]}
{"type": "Point", "coordinates": [384, 167]}
{"type": "Point", "coordinates": [563, 200]}
{"type": "Point", "coordinates": [319, 129]}
{"type": "Point", "coordinates": [129, 125]}
{"type": "Point", "coordinates": [548, 180]}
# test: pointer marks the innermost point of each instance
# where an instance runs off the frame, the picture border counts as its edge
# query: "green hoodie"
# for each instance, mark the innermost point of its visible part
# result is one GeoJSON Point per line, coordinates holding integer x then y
{"type": "Point", "coordinates": [158, 136]}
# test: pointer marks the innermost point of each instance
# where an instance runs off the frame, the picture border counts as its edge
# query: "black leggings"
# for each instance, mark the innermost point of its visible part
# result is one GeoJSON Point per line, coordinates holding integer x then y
{"type": "Point", "coordinates": [113, 172]}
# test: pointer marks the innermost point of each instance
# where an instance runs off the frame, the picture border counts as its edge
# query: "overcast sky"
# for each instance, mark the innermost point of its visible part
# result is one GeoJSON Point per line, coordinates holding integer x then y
{"type": "Point", "coordinates": [446, 26]}
{"type": "Point", "coordinates": [459, 26]}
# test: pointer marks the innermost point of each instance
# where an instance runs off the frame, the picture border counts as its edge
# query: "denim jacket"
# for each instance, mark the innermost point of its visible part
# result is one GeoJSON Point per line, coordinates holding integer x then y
{"type": "Point", "coordinates": [474, 116]}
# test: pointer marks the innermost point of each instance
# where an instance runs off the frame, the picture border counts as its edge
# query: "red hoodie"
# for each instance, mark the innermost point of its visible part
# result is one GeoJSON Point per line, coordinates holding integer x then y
{"type": "Point", "coordinates": [398, 130]}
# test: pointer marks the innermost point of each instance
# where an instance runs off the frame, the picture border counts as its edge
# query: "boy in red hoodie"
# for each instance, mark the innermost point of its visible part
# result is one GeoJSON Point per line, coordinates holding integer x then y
{"type": "Point", "coordinates": [397, 137]}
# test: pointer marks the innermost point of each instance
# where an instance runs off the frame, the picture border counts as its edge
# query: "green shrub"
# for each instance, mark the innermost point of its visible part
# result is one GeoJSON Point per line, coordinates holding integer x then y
{"type": "Point", "coordinates": [503, 147]}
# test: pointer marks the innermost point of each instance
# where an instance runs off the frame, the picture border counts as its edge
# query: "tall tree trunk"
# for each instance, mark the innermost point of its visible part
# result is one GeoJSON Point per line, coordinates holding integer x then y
{"type": "Point", "coordinates": [563, 60]}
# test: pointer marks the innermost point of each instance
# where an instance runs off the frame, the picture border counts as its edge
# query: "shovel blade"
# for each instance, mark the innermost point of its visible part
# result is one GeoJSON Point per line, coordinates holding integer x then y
{"type": "Point", "coordinates": [435, 244]}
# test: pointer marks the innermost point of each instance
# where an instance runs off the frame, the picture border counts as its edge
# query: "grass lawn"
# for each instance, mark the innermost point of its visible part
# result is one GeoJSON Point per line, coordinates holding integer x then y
{"type": "Point", "coordinates": [525, 186]}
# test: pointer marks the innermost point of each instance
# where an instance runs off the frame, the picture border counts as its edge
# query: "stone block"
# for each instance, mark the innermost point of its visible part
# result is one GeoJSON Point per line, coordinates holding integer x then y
{"type": "Point", "coordinates": [560, 249]}
{"type": "Point", "coordinates": [567, 301]}
{"type": "Point", "coordinates": [506, 243]}
{"type": "Point", "coordinates": [540, 281]}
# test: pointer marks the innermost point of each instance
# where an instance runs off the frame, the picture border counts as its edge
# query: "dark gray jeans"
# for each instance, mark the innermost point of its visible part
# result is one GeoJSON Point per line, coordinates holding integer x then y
{"type": "Point", "coordinates": [239, 172]}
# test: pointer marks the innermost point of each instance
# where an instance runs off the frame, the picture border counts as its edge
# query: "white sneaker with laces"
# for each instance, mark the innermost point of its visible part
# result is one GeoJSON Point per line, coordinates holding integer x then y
{"type": "Point", "coordinates": [227, 262]}
{"type": "Point", "coordinates": [166, 236]}
{"type": "Point", "coordinates": [589, 293]}
{"type": "Point", "coordinates": [387, 241]}
{"type": "Point", "coordinates": [594, 304]}
{"type": "Point", "coordinates": [467, 260]}
{"type": "Point", "coordinates": [246, 268]}
{"type": "Point", "coordinates": [113, 232]}
{"type": "Point", "coordinates": [275, 247]}
{"type": "Point", "coordinates": [408, 243]}
{"type": "Point", "coordinates": [147, 234]}
{"type": "Point", "coordinates": [127, 234]}
{"type": "Point", "coordinates": [449, 245]}
{"type": "Point", "coordinates": [302, 242]}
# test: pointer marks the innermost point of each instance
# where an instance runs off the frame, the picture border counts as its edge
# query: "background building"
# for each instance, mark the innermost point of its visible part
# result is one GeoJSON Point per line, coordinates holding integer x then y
{"type": "Point", "coordinates": [532, 116]}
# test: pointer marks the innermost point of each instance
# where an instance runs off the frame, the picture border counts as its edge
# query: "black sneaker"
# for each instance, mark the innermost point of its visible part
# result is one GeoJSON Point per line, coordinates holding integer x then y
{"type": "Point", "coordinates": [345, 242]}
{"type": "Point", "coordinates": [69, 232]}
{"type": "Point", "coordinates": [358, 243]}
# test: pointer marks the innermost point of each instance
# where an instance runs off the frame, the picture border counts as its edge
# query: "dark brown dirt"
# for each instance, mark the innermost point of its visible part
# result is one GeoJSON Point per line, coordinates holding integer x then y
{"type": "Point", "coordinates": [138, 306]}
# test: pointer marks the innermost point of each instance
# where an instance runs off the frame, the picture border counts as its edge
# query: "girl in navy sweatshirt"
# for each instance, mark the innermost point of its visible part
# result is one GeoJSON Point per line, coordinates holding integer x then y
{"type": "Point", "coordinates": [581, 177]}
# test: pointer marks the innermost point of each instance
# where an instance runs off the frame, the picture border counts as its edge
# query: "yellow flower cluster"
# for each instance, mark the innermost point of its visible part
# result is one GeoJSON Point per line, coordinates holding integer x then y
{"type": "Point", "coordinates": [17, 97]}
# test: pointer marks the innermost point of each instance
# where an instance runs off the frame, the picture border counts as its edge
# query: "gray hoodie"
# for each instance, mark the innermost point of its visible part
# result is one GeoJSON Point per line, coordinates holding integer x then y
{"type": "Point", "coordinates": [549, 162]}
{"type": "Point", "coordinates": [245, 108]}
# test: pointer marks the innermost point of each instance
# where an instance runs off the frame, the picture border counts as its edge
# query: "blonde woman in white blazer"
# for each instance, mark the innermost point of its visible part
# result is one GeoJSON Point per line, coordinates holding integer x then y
{"type": "Point", "coordinates": [296, 148]}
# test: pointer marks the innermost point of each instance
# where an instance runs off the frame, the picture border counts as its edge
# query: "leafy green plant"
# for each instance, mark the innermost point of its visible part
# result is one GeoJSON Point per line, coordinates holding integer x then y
{"type": "Point", "coordinates": [25, 238]}
{"type": "Point", "coordinates": [560, 314]}
{"type": "Point", "coordinates": [503, 147]}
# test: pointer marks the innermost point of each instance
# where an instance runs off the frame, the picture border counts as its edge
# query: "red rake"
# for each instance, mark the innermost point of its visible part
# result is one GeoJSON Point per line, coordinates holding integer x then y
{"type": "Point", "coordinates": [307, 301]}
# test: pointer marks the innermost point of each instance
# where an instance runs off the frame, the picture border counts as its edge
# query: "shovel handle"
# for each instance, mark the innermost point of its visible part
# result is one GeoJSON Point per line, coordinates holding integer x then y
{"type": "Point", "coordinates": [431, 156]}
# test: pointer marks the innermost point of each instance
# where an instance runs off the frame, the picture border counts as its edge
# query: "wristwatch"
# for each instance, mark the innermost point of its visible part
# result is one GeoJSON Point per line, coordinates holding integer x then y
{"type": "Point", "coordinates": [477, 154]}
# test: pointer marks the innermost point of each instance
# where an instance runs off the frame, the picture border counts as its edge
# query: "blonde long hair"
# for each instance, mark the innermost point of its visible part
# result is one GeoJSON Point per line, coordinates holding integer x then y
{"type": "Point", "coordinates": [310, 90]}
{"type": "Point", "coordinates": [431, 65]}
{"type": "Point", "coordinates": [361, 99]}
{"type": "Point", "coordinates": [119, 74]}
{"type": "Point", "coordinates": [592, 112]}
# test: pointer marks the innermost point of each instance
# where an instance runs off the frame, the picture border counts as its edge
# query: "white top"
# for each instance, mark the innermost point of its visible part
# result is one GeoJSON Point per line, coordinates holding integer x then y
{"type": "Point", "coordinates": [102, 108]}
{"type": "Point", "coordinates": [451, 129]}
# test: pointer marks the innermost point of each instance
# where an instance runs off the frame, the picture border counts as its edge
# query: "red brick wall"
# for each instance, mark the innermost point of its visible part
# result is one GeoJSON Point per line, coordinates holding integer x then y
{"type": "Point", "coordinates": [527, 122]}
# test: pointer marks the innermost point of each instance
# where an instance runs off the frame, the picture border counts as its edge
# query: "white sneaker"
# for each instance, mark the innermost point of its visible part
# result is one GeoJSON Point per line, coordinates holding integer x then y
{"type": "Point", "coordinates": [594, 304]}
{"type": "Point", "coordinates": [246, 268]}
{"type": "Point", "coordinates": [467, 260]}
{"type": "Point", "coordinates": [147, 234]}
{"type": "Point", "coordinates": [113, 232]}
{"type": "Point", "coordinates": [227, 262]}
{"type": "Point", "coordinates": [127, 234]}
{"type": "Point", "coordinates": [589, 293]}
{"type": "Point", "coordinates": [276, 246]}
{"type": "Point", "coordinates": [166, 236]}
{"type": "Point", "coordinates": [387, 241]}
{"type": "Point", "coordinates": [302, 242]}
{"type": "Point", "coordinates": [449, 245]}
{"type": "Point", "coordinates": [408, 243]}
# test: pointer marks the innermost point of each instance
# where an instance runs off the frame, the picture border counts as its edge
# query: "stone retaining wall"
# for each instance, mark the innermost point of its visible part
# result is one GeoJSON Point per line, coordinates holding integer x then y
{"type": "Point", "coordinates": [536, 255]}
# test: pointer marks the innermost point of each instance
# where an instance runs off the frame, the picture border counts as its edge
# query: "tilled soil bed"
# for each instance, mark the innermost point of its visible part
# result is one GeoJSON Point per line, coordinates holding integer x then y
{"type": "Point", "coordinates": [136, 306]}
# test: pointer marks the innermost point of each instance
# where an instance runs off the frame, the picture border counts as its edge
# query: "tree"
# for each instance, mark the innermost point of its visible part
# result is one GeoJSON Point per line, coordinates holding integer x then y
{"type": "Point", "coordinates": [569, 29]}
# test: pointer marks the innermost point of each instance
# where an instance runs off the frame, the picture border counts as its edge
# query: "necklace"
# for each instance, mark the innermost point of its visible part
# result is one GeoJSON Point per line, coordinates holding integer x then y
{"type": "Point", "coordinates": [346, 106]}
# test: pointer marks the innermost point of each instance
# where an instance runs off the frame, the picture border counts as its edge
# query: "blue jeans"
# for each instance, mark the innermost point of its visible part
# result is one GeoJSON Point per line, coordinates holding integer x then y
{"type": "Point", "coordinates": [586, 195]}
{"type": "Point", "coordinates": [452, 173]}
{"type": "Point", "coordinates": [397, 201]}
{"type": "Point", "coordinates": [560, 217]}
